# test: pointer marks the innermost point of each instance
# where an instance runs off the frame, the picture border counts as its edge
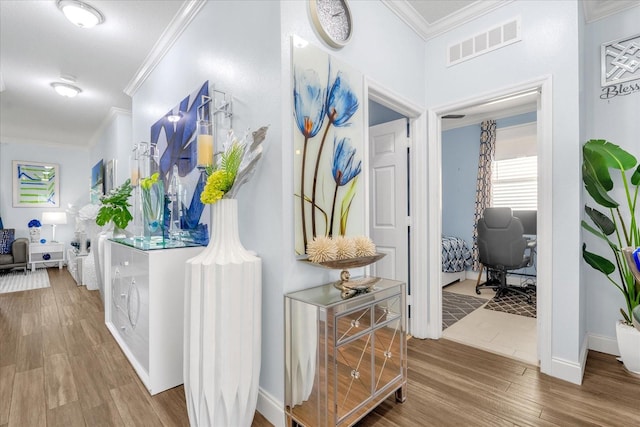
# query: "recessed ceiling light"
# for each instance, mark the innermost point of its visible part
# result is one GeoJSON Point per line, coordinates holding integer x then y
{"type": "Point", "coordinates": [66, 89]}
{"type": "Point", "coordinates": [80, 13]}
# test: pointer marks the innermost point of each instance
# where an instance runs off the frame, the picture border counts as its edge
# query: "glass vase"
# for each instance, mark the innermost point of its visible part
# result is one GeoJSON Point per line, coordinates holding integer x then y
{"type": "Point", "coordinates": [153, 210]}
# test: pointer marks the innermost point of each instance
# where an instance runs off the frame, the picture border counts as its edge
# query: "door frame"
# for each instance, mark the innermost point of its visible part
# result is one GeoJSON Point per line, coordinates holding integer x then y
{"type": "Point", "coordinates": [432, 305]}
{"type": "Point", "coordinates": [418, 178]}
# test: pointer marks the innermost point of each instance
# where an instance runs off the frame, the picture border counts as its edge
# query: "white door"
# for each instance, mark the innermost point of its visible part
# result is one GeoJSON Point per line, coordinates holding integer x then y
{"type": "Point", "coordinates": [389, 208]}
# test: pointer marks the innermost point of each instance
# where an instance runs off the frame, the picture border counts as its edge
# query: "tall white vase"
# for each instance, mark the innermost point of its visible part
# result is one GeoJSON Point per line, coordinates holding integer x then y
{"type": "Point", "coordinates": [222, 340]}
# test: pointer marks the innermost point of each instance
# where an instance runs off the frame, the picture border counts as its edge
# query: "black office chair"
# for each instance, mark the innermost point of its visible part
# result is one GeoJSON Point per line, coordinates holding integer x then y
{"type": "Point", "coordinates": [502, 247]}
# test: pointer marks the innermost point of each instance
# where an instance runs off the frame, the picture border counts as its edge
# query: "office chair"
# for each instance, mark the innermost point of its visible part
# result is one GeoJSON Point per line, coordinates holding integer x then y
{"type": "Point", "coordinates": [502, 247]}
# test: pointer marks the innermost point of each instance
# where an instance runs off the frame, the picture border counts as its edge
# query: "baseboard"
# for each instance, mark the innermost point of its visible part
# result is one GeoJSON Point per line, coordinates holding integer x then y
{"type": "Point", "coordinates": [270, 408]}
{"type": "Point", "coordinates": [603, 344]}
{"type": "Point", "coordinates": [570, 371]}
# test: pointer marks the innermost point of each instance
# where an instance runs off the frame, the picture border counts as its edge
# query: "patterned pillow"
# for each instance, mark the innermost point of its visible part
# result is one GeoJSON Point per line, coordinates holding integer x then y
{"type": "Point", "coordinates": [6, 238]}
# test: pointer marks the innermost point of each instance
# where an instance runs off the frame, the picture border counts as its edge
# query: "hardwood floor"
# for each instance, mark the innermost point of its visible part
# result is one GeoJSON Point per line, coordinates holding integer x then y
{"type": "Point", "coordinates": [59, 366]}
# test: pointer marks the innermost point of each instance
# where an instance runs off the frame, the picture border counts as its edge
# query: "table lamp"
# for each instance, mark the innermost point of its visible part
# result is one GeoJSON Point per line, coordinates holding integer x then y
{"type": "Point", "coordinates": [54, 218]}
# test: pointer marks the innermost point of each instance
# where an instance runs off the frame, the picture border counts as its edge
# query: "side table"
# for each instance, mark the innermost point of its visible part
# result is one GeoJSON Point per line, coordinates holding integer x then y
{"type": "Point", "coordinates": [41, 253]}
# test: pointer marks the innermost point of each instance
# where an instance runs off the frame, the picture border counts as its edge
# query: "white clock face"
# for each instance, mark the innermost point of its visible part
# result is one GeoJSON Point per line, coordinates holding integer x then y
{"type": "Point", "coordinates": [335, 19]}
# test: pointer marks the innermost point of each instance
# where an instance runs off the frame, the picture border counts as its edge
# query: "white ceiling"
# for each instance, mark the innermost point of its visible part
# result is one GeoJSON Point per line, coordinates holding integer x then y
{"type": "Point", "coordinates": [37, 45]}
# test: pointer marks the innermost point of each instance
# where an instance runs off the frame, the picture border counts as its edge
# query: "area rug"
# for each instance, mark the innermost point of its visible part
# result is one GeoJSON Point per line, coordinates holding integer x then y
{"type": "Point", "coordinates": [456, 306]}
{"type": "Point", "coordinates": [17, 280]}
{"type": "Point", "coordinates": [514, 303]}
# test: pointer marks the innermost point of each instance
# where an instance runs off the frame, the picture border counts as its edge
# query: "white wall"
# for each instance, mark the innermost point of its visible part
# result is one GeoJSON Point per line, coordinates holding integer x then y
{"type": "Point", "coordinates": [615, 120]}
{"type": "Point", "coordinates": [244, 48]}
{"type": "Point", "coordinates": [549, 46]}
{"type": "Point", "coordinates": [113, 141]}
{"type": "Point", "coordinates": [75, 180]}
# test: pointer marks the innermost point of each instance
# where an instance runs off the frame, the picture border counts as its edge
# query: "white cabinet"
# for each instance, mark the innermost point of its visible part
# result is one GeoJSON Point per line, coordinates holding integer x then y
{"type": "Point", "coordinates": [43, 253]}
{"type": "Point", "coordinates": [144, 309]}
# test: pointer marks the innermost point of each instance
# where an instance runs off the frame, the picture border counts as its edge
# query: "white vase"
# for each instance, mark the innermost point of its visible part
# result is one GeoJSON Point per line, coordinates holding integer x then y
{"type": "Point", "coordinates": [629, 346]}
{"type": "Point", "coordinates": [34, 234]}
{"type": "Point", "coordinates": [222, 340]}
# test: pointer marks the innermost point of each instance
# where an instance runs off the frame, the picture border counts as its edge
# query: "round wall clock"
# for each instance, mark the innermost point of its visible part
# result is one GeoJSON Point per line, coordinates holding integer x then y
{"type": "Point", "coordinates": [332, 20]}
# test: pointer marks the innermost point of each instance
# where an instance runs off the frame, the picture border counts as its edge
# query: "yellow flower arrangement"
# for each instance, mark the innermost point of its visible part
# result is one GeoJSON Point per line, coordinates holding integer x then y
{"type": "Point", "coordinates": [236, 165]}
{"type": "Point", "coordinates": [218, 183]}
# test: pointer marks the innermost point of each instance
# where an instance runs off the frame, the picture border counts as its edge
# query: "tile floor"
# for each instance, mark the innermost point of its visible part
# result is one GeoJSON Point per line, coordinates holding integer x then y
{"type": "Point", "coordinates": [497, 332]}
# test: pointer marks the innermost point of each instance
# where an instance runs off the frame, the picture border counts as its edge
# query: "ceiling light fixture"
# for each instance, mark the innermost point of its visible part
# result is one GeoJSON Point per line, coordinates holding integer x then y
{"type": "Point", "coordinates": [66, 89]}
{"type": "Point", "coordinates": [80, 13]}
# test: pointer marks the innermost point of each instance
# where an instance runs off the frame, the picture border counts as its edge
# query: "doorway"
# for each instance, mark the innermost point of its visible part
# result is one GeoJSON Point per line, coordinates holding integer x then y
{"type": "Point", "coordinates": [398, 217]}
{"type": "Point", "coordinates": [505, 325]}
{"type": "Point", "coordinates": [433, 304]}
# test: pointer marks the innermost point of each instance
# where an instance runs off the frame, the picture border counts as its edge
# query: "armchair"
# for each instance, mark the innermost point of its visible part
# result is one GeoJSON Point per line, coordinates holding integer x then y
{"type": "Point", "coordinates": [19, 256]}
{"type": "Point", "coordinates": [502, 247]}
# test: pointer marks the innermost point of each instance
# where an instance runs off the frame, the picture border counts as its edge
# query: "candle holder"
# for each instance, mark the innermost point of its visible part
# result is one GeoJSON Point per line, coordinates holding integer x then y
{"type": "Point", "coordinates": [204, 140]}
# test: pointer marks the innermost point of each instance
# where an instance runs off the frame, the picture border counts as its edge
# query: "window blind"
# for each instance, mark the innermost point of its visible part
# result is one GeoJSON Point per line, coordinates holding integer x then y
{"type": "Point", "coordinates": [515, 183]}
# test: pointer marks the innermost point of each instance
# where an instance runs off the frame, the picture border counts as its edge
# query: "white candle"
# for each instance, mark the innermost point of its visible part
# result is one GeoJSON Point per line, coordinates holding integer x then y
{"type": "Point", "coordinates": [134, 176]}
{"type": "Point", "coordinates": [205, 150]}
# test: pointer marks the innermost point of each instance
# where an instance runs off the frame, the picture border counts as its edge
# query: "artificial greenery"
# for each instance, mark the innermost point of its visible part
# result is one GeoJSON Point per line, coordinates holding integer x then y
{"type": "Point", "coordinates": [115, 206]}
{"type": "Point", "coordinates": [221, 179]}
{"type": "Point", "coordinates": [619, 228]}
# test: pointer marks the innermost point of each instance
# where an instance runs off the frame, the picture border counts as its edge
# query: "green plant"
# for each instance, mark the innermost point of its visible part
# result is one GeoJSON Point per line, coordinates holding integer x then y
{"type": "Point", "coordinates": [115, 206]}
{"type": "Point", "coordinates": [619, 229]}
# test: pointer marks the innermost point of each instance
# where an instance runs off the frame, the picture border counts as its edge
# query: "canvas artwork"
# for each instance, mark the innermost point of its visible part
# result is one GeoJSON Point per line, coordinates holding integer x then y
{"type": "Point", "coordinates": [97, 182]}
{"type": "Point", "coordinates": [177, 148]}
{"type": "Point", "coordinates": [328, 146]}
{"type": "Point", "coordinates": [110, 176]}
{"type": "Point", "coordinates": [35, 184]}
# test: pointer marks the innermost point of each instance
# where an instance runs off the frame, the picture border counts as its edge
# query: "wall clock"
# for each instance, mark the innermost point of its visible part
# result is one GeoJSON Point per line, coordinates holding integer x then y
{"type": "Point", "coordinates": [332, 20]}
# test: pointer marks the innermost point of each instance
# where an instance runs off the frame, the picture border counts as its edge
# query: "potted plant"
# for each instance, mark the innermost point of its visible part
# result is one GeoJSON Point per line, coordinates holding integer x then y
{"type": "Point", "coordinates": [618, 227]}
{"type": "Point", "coordinates": [115, 207]}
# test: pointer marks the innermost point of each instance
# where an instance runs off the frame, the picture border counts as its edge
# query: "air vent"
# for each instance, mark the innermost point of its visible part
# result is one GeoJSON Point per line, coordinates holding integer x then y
{"type": "Point", "coordinates": [485, 42]}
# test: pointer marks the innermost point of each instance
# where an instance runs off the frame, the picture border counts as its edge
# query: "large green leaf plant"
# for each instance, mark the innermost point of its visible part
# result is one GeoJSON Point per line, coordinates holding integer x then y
{"type": "Point", "coordinates": [115, 206]}
{"type": "Point", "coordinates": [618, 224]}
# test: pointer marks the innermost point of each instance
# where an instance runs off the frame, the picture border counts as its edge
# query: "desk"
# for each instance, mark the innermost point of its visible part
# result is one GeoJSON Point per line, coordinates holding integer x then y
{"type": "Point", "coordinates": [39, 251]}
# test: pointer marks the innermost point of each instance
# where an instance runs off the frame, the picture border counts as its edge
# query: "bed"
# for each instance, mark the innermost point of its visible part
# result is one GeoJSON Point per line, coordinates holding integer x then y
{"type": "Point", "coordinates": [456, 258]}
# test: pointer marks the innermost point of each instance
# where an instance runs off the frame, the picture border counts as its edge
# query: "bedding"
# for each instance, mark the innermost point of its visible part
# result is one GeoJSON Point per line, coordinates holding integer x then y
{"type": "Point", "coordinates": [456, 255]}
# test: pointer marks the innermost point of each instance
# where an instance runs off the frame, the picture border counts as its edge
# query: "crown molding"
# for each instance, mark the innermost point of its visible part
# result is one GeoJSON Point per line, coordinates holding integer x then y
{"type": "Point", "coordinates": [427, 31]}
{"type": "Point", "coordinates": [168, 38]}
{"type": "Point", "coordinates": [596, 10]}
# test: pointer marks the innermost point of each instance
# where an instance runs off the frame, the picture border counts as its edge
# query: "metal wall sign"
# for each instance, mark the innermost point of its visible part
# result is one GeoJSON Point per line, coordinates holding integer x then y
{"type": "Point", "coordinates": [620, 60]}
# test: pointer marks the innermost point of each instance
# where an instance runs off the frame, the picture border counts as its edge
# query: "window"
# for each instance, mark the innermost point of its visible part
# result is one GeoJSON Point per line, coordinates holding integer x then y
{"type": "Point", "coordinates": [515, 183]}
{"type": "Point", "coordinates": [514, 172]}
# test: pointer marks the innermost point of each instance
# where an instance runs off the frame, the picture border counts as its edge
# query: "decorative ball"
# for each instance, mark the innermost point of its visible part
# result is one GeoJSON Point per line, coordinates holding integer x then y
{"type": "Point", "coordinates": [321, 249]}
{"type": "Point", "coordinates": [43, 241]}
{"type": "Point", "coordinates": [46, 257]}
{"type": "Point", "coordinates": [345, 248]}
{"type": "Point", "coordinates": [364, 246]}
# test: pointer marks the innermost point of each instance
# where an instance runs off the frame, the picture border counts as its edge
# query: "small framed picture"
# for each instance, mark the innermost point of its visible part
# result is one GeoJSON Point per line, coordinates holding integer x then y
{"type": "Point", "coordinates": [97, 182]}
{"type": "Point", "coordinates": [35, 184]}
{"type": "Point", "coordinates": [110, 176]}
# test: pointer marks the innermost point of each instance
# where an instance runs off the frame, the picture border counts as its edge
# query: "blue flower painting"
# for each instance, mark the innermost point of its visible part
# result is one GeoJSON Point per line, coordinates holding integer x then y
{"type": "Point", "coordinates": [175, 141]}
{"type": "Point", "coordinates": [327, 107]}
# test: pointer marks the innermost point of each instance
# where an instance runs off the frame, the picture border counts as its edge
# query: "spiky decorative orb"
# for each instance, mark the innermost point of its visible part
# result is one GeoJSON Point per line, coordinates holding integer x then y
{"type": "Point", "coordinates": [345, 247]}
{"type": "Point", "coordinates": [321, 249]}
{"type": "Point", "coordinates": [364, 246]}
